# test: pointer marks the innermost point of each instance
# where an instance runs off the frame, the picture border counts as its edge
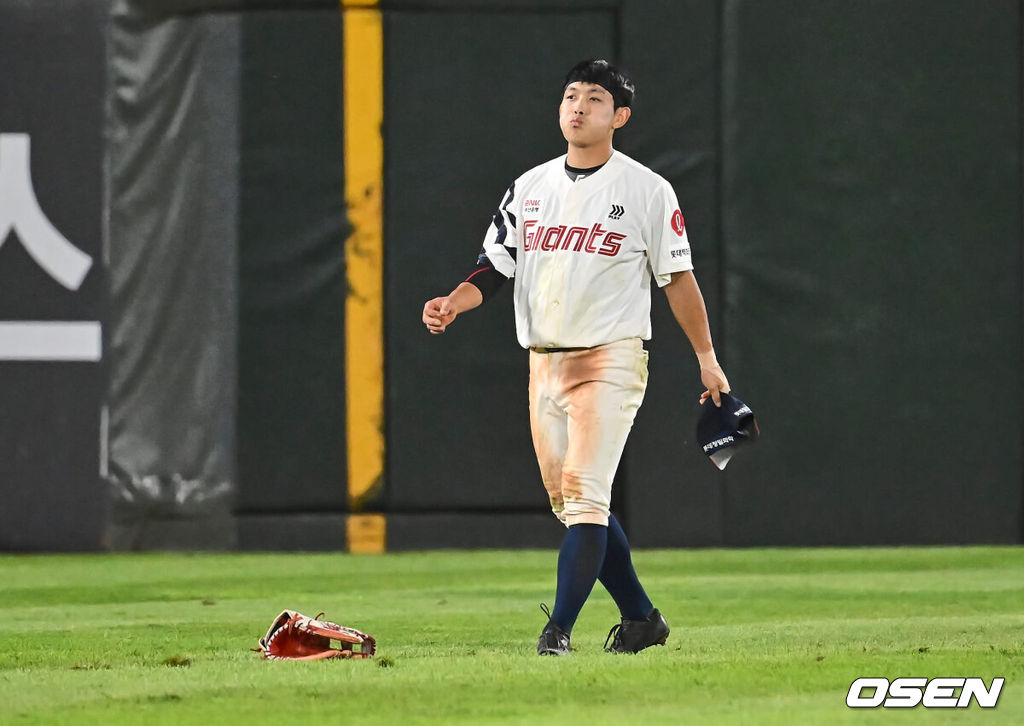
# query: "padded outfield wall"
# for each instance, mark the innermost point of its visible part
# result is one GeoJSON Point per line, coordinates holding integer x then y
{"type": "Point", "coordinates": [270, 191]}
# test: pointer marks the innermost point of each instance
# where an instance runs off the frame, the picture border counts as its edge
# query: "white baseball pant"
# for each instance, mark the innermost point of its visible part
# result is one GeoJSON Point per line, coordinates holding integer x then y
{"type": "Point", "coordinates": [582, 405]}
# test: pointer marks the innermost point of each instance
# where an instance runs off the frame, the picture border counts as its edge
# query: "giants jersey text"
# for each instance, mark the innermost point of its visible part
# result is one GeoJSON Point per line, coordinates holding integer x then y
{"type": "Point", "coordinates": [583, 253]}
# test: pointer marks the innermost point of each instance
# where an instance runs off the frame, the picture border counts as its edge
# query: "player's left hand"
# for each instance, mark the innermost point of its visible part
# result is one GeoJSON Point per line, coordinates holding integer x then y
{"type": "Point", "coordinates": [716, 383]}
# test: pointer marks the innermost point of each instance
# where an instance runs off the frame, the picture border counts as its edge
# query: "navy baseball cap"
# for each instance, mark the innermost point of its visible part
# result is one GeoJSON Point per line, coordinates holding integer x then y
{"type": "Point", "coordinates": [720, 430]}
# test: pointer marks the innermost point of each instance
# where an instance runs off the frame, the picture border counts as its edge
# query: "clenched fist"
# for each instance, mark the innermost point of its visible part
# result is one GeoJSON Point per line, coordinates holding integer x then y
{"type": "Point", "coordinates": [438, 314]}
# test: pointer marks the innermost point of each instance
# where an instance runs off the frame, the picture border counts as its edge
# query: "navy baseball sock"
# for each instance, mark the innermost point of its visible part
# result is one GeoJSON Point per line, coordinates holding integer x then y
{"type": "Point", "coordinates": [579, 562]}
{"type": "Point", "coordinates": [619, 577]}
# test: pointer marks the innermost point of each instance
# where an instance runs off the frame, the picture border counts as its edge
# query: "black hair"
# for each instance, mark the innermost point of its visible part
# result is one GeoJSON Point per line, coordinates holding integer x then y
{"type": "Point", "coordinates": [604, 74]}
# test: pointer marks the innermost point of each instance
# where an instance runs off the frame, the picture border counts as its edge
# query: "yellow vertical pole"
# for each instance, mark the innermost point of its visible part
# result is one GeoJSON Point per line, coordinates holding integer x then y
{"type": "Point", "coordinates": [364, 260]}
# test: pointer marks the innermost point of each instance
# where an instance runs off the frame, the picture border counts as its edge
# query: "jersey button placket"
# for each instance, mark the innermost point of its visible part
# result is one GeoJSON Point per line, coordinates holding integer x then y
{"type": "Point", "coordinates": [571, 212]}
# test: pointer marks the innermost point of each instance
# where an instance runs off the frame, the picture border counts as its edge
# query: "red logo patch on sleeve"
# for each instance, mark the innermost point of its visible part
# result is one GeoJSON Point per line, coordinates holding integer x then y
{"type": "Point", "coordinates": [678, 224]}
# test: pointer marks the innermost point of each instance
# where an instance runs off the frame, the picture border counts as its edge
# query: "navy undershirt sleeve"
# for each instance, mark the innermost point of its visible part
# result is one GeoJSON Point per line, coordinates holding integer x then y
{"type": "Point", "coordinates": [486, 279]}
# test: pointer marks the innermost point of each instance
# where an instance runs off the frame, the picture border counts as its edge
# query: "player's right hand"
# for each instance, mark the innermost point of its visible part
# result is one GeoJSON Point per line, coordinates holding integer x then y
{"type": "Point", "coordinates": [438, 314]}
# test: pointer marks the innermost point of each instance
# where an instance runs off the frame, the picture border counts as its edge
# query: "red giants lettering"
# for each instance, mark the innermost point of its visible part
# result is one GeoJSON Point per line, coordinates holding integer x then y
{"type": "Point", "coordinates": [593, 240]}
{"type": "Point", "coordinates": [552, 237]}
{"type": "Point", "coordinates": [595, 234]}
{"type": "Point", "coordinates": [610, 248]}
{"type": "Point", "coordinates": [579, 233]}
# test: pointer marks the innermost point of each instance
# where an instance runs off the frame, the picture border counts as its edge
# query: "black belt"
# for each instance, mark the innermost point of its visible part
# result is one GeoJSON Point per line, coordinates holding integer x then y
{"type": "Point", "coordinates": [555, 350]}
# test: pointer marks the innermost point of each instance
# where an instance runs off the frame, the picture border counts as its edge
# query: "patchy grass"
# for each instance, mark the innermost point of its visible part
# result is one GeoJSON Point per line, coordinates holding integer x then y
{"type": "Point", "coordinates": [759, 637]}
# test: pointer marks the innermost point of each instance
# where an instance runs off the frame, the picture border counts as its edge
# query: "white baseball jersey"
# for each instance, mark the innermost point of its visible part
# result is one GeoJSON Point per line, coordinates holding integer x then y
{"type": "Point", "coordinates": [583, 253]}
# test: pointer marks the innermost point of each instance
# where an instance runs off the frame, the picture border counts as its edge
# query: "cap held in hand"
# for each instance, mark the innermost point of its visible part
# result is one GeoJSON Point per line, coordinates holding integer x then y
{"type": "Point", "coordinates": [720, 430]}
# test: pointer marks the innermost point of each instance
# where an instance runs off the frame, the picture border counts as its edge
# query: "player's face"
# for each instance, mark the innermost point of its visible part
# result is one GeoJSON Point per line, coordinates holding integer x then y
{"type": "Point", "coordinates": [587, 114]}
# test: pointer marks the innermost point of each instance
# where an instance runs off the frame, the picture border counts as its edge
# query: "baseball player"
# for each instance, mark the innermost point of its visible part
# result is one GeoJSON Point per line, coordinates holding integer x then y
{"type": "Point", "coordinates": [583, 236]}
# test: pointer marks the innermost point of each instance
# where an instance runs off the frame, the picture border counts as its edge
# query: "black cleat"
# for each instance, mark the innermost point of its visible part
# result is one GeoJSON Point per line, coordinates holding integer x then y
{"type": "Point", "coordinates": [632, 636]}
{"type": "Point", "coordinates": [553, 640]}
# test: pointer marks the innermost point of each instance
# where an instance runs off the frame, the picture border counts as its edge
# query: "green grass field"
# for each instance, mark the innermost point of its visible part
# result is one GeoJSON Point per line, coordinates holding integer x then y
{"type": "Point", "coordinates": [759, 637]}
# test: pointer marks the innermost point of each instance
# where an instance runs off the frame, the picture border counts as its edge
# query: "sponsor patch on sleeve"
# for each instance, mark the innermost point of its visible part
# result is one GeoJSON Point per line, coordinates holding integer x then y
{"type": "Point", "coordinates": [678, 224]}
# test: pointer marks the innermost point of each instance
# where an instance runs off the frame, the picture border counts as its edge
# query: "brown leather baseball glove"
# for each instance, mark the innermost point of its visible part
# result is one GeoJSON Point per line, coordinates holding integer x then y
{"type": "Point", "coordinates": [299, 637]}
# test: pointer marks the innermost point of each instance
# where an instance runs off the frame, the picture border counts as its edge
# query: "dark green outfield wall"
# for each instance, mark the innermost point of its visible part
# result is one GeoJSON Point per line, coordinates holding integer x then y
{"type": "Point", "coordinates": [291, 374]}
{"type": "Point", "coordinates": [871, 207]}
{"type": "Point", "coordinates": [851, 176]}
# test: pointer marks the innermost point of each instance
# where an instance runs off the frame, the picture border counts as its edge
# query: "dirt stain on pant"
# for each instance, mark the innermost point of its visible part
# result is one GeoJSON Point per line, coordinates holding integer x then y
{"type": "Point", "coordinates": [582, 406]}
